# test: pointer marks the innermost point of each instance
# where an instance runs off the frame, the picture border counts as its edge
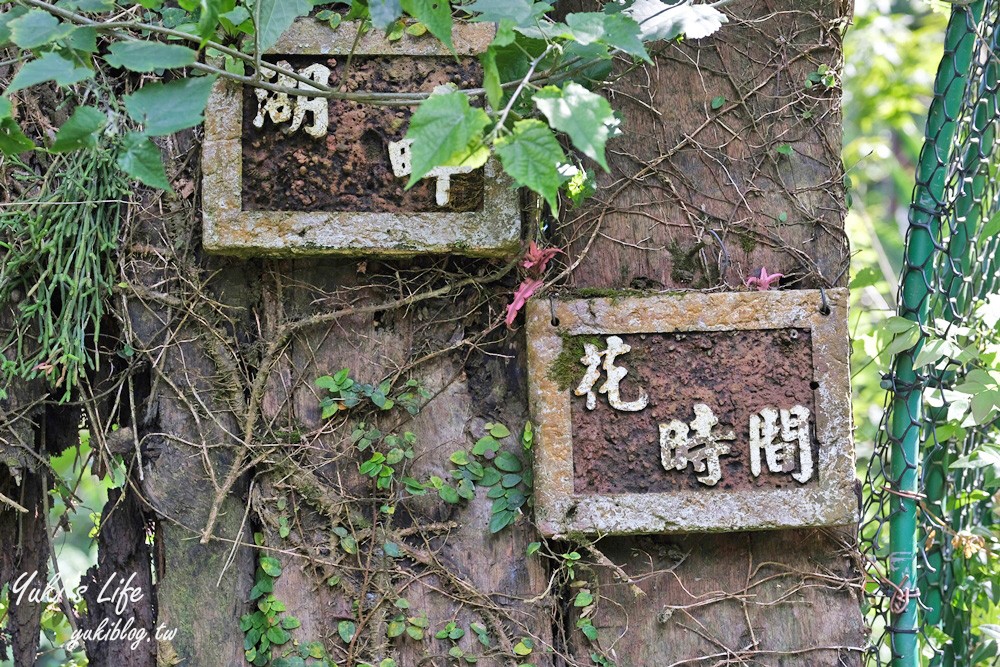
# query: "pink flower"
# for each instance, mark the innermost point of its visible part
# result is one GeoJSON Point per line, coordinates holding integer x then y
{"type": "Point", "coordinates": [766, 281]}
{"type": "Point", "coordinates": [537, 258]}
{"type": "Point", "coordinates": [521, 296]}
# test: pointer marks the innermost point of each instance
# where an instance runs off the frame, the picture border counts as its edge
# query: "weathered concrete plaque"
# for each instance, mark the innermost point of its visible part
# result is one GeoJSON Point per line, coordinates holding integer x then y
{"type": "Point", "coordinates": [691, 412]}
{"type": "Point", "coordinates": [286, 174]}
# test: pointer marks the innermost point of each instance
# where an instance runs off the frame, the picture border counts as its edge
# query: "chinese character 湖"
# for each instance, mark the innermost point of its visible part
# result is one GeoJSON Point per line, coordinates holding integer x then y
{"type": "Point", "coordinates": [281, 108]}
{"type": "Point", "coordinates": [592, 358]}
{"type": "Point", "coordinates": [783, 436]}
{"type": "Point", "coordinates": [679, 447]}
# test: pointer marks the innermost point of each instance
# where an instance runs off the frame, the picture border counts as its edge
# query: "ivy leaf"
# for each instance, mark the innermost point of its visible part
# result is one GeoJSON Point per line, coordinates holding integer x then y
{"type": "Point", "coordinates": [442, 130]}
{"type": "Point", "coordinates": [507, 462]}
{"type": "Point", "coordinates": [271, 566]}
{"type": "Point", "coordinates": [449, 494]}
{"type": "Point", "coordinates": [80, 130]}
{"type": "Point", "coordinates": [384, 12]}
{"type": "Point", "coordinates": [140, 159]}
{"type": "Point", "coordinates": [585, 116]}
{"type": "Point", "coordinates": [277, 16]}
{"type": "Point", "coordinates": [165, 108]}
{"type": "Point", "coordinates": [277, 635]}
{"type": "Point", "coordinates": [346, 630]}
{"type": "Point", "coordinates": [149, 56]}
{"type": "Point", "coordinates": [498, 522]}
{"type": "Point", "coordinates": [49, 67]}
{"type": "Point", "coordinates": [436, 15]}
{"type": "Point", "coordinates": [531, 154]}
{"type": "Point", "coordinates": [37, 28]}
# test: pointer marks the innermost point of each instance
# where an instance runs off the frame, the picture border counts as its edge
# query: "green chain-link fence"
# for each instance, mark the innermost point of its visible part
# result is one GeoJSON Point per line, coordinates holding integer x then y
{"type": "Point", "coordinates": [934, 582]}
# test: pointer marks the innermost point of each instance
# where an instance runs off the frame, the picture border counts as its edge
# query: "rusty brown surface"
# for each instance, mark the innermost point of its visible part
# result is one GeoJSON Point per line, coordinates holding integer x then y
{"type": "Point", "coordinates": [735, 373]}
{"type": "Point", "coordinates": [349, 169]}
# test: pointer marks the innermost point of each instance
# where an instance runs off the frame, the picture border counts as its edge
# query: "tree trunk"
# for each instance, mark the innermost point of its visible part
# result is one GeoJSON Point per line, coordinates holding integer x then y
{"type": "Point", "coordinates": [698, 197]}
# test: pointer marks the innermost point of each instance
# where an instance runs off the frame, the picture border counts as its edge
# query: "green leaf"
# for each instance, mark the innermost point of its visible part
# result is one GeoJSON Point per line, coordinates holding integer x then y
{"type": "Point", "coordinates": [149, 56]}
{"type": "Point", "coordinates": [459, 458]}
{"type": "Point", "coordinates": [784, 149]}
{"type": "Point", "coordinates": [5, 20]}
{"type": "Point", "coordinates": [491, 77]}
{"type": "Point", "coordinates": [12, 139]}
{"type": "Point", "coordinates": [49, 67]}
{"type": "Point", "coordinates": [37, 28]}
{"type": "Point", "coordinates": [271, 566]}
{"type": "Point", "coordinates": [290, 623]}
{"type": "Point", "coordinates": [90, 6]}
{"type": "Point", "coordinates": [415, 632]}
{"type": "Point", "coordinates": [391, 549]}
{"type": "Point", "coordinates": [984, 405]}
{"type": "Point", "coordinates": [346, 630]}
{"type": "Point", "coordinates": [80, 130]}
{"type": "Point", "coordinates": [615, 30]}
{"type": "Point", "coordinates": [866, 277]}
{"type": "Point", "coordinates": [140, 159]}
{"type": "Point", "coordinates": [516, 12]}
{"type": "Point", "coordinates": [523, 647]}
{"type": "Point", "coordinates": [395, 629]}
{"type": "Point", "coordinates": [531, 154]}
{"type": "Point", "coordinates": [442, 129]}
{"type": "Point", "coordinates": [165, 108]}
{"type": "Point", "coordinates": [507, 462]}
{"type": "Point", "coordinates": [83, 39]}
{"type": "Point", "coordinates": [485, 444]}
{"type": "Point", "coordinates": [277, 16]}
{"type": "Point", "coordinates": [718, 102]}
{"type": "Point", "coordinates": [499, 431]}
{"type": "Point", "coordinates": [208, 18]}
{"type": "Point", "coordinates": [277, 635]}
{"type": "Point", "coordinates": [624, 33]}
{"type": "Point", "coordinates": [533, 548]}
{"type": "Point", "coordinates": [449, 494]}
{"type": "Point", "coordinates": [491, 477]}
{"type": "Point", "coordinates": [384, 12]}
{"type": "Point", "coordinates": [501, 520]}
{"type": "Point", "coordinates": [585, 116]}
{"type": "Point", "coordinates": [436, 15]}
{"type": "Point", "coordinates": [583, 599]}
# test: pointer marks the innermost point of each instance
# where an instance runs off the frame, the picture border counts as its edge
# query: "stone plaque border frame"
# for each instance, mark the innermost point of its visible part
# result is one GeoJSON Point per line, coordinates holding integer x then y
{"type": "Point", "coordinates": [493, 231]}
{"type": "Point", "coordinates": [561, 511]}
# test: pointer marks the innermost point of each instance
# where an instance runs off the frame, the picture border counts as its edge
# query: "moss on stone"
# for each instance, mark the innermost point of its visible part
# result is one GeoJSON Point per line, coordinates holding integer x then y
{"type": "Point", "coordinates": [567, 371]}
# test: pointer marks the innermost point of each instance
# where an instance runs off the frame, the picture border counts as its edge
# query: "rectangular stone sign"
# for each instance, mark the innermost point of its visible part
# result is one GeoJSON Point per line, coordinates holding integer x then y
{"type": "Point", "coordinates": [291, 175]}
{"type": "Point", "coordinates": [691, 412]}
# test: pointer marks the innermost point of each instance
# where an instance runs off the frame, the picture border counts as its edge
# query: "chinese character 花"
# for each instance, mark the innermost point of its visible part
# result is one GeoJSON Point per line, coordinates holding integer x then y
{"type": "Point", "coordinates": [592, 359]}
{"type": "Point", "coordinates": [701, 449]}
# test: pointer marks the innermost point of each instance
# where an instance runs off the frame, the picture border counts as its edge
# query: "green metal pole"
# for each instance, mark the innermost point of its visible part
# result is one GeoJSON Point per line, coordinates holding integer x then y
{"type": "Point", "coordinates": [961, 268]}
{"type": "Point", "coordinates": [905, 418]}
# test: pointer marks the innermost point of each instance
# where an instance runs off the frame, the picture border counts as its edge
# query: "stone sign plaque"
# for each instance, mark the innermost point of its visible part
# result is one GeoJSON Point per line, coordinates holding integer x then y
{"type": "Point", "coordinates": [692, 412]}
{"type": "Point", "coordinates": [286, 174]}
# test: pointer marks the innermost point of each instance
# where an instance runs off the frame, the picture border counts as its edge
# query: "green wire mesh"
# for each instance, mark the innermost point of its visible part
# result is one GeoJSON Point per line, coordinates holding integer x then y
{"type": "Point", "coordinates": [929, 507]}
